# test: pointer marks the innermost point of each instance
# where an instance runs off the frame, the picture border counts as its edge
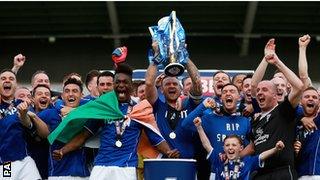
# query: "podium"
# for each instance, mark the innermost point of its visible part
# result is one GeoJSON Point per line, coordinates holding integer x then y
{"type": "Point", "coordinates": [169, 169]}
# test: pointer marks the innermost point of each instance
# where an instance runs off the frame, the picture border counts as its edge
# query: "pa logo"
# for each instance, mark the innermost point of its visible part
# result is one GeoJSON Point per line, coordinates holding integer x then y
{"type": "Point", "coordinates": [6, 169]}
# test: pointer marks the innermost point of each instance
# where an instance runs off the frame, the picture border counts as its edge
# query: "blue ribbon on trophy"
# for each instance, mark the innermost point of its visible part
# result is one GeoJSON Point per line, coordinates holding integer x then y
{"type": "Point", "coordinates": [171, 39]}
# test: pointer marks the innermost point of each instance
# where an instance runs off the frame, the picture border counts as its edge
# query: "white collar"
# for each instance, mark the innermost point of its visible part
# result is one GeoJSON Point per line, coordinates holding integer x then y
{"type": "Point", "coordinates": [263, 114]}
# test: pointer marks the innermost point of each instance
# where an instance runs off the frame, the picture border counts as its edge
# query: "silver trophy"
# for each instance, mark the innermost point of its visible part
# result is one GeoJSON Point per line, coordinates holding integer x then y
{"type": "Point", "coordinates": [173, 68]}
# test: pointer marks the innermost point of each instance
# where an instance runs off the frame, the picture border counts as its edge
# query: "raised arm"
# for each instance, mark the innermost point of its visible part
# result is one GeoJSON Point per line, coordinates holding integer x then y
{"type": "Point", "coordinates": [22, 113]}
{"type": "Point", "coordinates": [248, 150]}
{"type": "Point", "coordinates": [31, 121]}
{"type": "Point", "coordinates": [187, 123]}
{"type": "Point", "coordinates": [196, 89]}
{"type": "Point", "coordinates": [41, 127]}
{"type": "Point", "coordinates": [268, 153]}
{"type": "Point", "coordinates": [18, 62]}
{"type": "Point", "coordinates": [150, 77]}
{"type": "Point", "coordinates": [303, 64]}
{"type": "Point", "coordinates": [261, 69]}
{"type": "Point", "coordinates": [297, 85]}
{"type": "Point", "coordinates": [203, 137]}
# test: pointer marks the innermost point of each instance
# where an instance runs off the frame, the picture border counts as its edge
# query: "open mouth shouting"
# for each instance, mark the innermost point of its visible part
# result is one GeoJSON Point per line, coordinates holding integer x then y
{"type": "Point", "coordinates": [121, 94]}
{"type": "Point", "coordinates": [7, 87]}
{"type": "Point", "coordinates": [172, 91]}
{"type": "Point", "coordinates": [219, 85]}
{"type": "Point", "coordinates": [231, 154]}
{"type": "Point", "coordinates": [248, 96]}
{"type": "Point", "coordinates": [310, 107]}
{"type": "Point", "coordinates": [261, 99]}
{"type": "Point", "coordinates": [280, 94]}
{"type": "Point", "coordinates": [231, 151]}
{"type": "Point", "coordinates": [43, 102]}
{"type": "Point", "coordinates": [71, 100]}
{"type": "Point", "coordinates": [229, 100]}
{"type": "Point", "coordinates": [311, 104]}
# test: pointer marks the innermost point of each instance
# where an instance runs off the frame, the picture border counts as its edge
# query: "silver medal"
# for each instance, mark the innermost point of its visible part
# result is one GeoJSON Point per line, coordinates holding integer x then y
{"type": "Point", "coordinates": [118, 143]}
{"type": "Point", "coordinates": [172, 135]}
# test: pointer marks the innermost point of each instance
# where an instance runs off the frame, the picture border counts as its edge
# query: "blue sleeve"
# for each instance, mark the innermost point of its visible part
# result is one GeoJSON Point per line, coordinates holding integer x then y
{"type": "Point", "coordinates": [157, 105]}
{"type": "Point", "coordinates": [160, 95]}
{"type": "Point", "coordinates": [248, 133]}
{"type": "Point", "coordinates": [299, 111]}
{"type": "Point", "coordinates": [215, 162]}
{"type": "Point", "coordinates": [16, 102]}
{"type": "Point", "coordinates": [255, 105]}
{"type": "Point", "coordinates": [47, 117]}
{"type": "Point", "coordinates": [58, 104]}
{"type": "Point", "coordinates": [154, 138]}
{"type": "Point", "coordinates": [83, 101]}
{"type": "Point", "coordinates": [191, 102]}
{"type": "Point", "coordinates": [211, 156]}
{"type": "Point", "coordinates": [187, 123]}
{"type": "Point", "coordinates": [42, 115]}
{"type": "Point", "coordinates": [255, 162]}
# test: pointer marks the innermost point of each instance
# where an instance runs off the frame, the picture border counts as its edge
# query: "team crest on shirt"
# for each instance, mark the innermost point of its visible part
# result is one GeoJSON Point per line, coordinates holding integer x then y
{"type": "Point", "coordinates": [259, 131]}
{"type": "Point", "coordinates": [260, 136]}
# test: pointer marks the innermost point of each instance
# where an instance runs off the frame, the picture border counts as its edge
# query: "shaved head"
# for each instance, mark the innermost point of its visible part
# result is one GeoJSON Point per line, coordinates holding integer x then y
{"type": "Point", "coordinates": [270, 84]}
{"type": "Point", "coordinates": [267, 95]}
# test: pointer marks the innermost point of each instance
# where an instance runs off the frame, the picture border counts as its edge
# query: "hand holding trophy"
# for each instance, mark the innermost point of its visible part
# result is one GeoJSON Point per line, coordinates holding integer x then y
{"type": "Point", "coordinates": [170, 36]}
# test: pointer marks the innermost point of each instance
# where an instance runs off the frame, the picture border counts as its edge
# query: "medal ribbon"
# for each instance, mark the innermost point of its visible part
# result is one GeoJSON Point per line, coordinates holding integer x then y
{"type": "Point", "coordinates": [121, 130]}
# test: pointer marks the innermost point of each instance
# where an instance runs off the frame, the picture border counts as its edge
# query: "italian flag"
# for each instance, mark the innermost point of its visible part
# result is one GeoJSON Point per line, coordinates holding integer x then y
{"type": "Point", "coordinates": [106, 108]}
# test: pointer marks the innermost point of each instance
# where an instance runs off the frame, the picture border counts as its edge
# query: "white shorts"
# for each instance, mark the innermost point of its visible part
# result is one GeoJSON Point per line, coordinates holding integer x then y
{"type": "Point", "coordinates": [113, 172]}
{"type": "Point", "coordinates": [312, 177]}
{"type": "Point", "coordinates": [212, 176]}
{"type": "Point", "coordinates": [21, 169]}
{"type": "Point", "coordinates": [67, 178]}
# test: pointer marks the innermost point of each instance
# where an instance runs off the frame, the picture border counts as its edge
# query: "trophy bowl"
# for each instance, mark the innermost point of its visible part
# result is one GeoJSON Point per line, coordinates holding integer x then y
{"type": "Point", "coordinates": [174, 69]}
{"type": "Point", "coordinates": [171, 38]}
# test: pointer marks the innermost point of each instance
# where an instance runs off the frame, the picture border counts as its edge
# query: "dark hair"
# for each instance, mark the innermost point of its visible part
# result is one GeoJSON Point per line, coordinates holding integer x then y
{"type": "Point", "coordinates": [105, 73]}
{"type": "Point", "coordinates": [70, 75]}
{"type": "Point", "coordinates": [310, 88]}
{"type": "Point", "coordinates": [137, 83]}
{"type": "Point", "coordinates": [184, 79]}
{"type": "Point", "coordinates": [8, 70]}
{"type": "Point", "coordinates": [229, 84]}
{"type": "Point", "coordinates": [73, 81]}
{"type": "Point", "coordinates": [234, 136]}
{"type": "Point", "coordinates": [248, 76]}
{"type": "Point", "coordinates": [38, 72]}
{"type": "Point", "coordinates": [124, 68]}
{"type": "Point", "coordinates": [221, 71]}
{"type": "Point", "coordinates": [91, 74]}
{"type": "Point", "coordinates": [38, 86]}
{"type": "Point", "coordinates": [234, 77]}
